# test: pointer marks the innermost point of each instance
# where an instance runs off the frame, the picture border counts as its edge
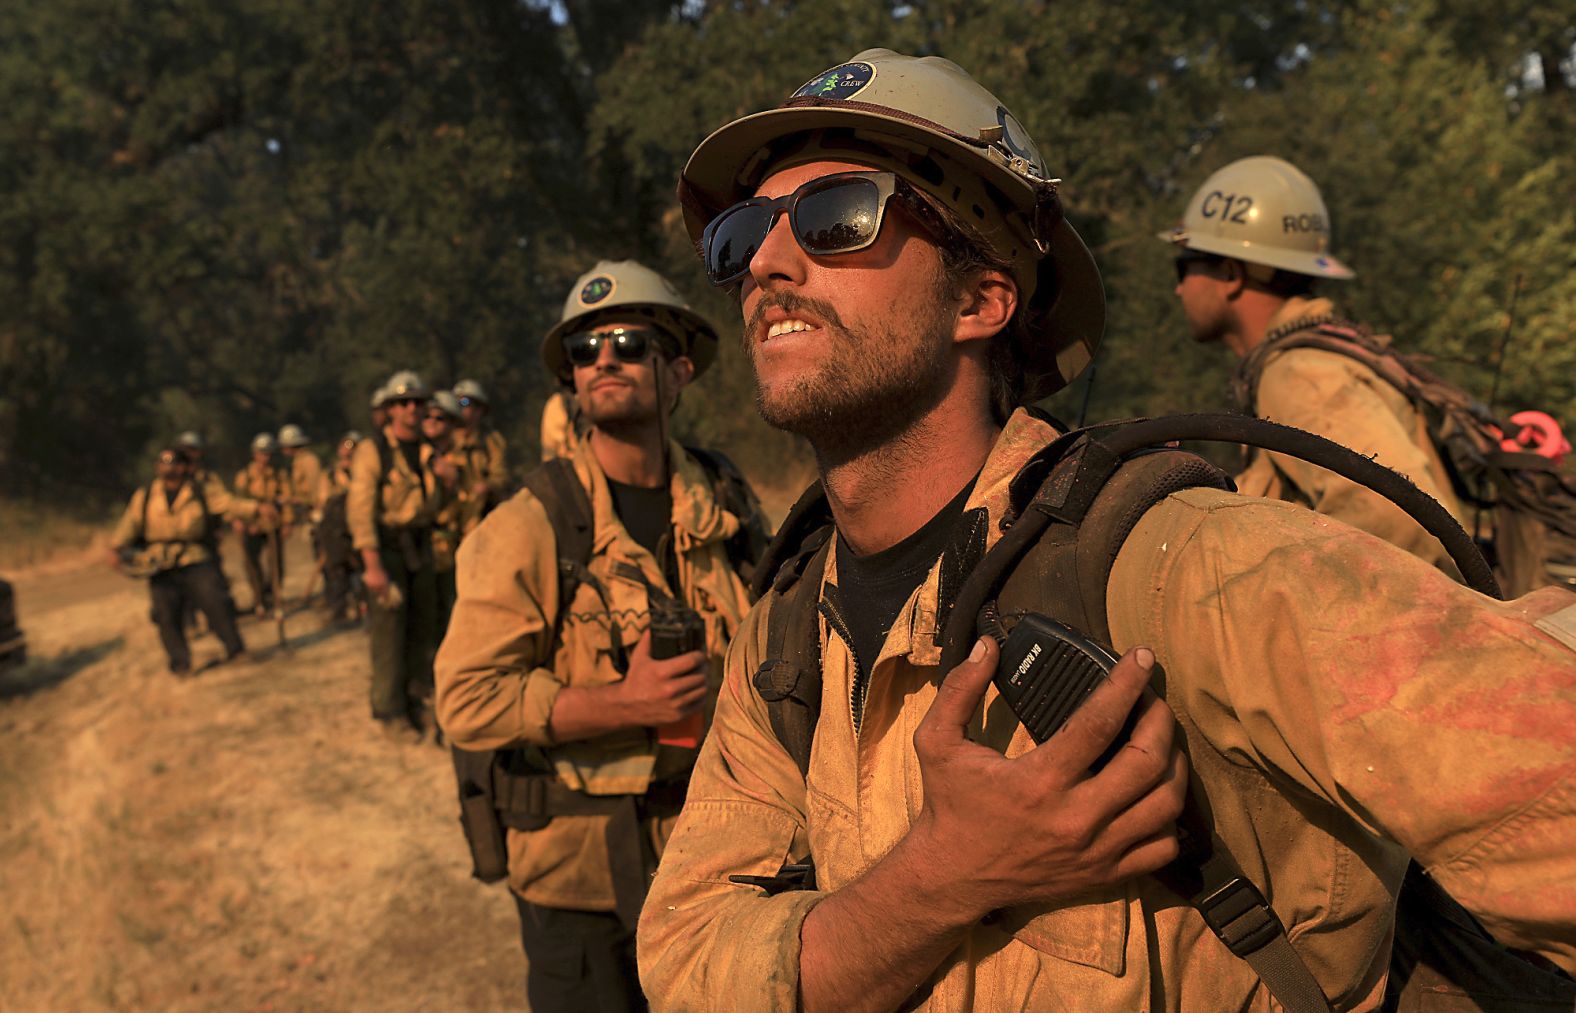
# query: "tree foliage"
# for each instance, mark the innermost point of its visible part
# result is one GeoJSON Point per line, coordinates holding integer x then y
{"type": "Point", "coordinates": [225, 216]}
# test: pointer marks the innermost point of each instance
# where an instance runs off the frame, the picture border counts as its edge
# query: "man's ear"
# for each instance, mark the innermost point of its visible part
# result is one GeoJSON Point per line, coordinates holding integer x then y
{"type": "Point", "coordinates": [681, 372]}
{"type": "Point", "coordinates": [1235, 277]}
{"type": "Point", "coordinates": [988, 305]}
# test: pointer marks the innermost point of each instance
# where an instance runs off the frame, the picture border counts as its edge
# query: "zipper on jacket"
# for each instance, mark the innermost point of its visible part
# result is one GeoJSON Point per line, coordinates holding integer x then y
{"type": "Point", "coordinates": [857, 691]}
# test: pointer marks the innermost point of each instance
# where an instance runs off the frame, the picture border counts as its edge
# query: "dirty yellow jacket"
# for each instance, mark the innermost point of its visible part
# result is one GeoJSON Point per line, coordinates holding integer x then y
{"type": "Point", "coordinates": [401, 498]}
{"type": "Point", "coordinates": [560, 429]}
{"type": "Point", "coordinates": [500, 669]}
{"type": "Point", "coordinates": [486, 454]}
{"type": "Point", "coordinates": [266, 484]}
{"type": "Point", "coordinates": [175, 533]}
{"type": "Point", "coordinates": [460, 513]}
{"type": "Point", "coordinates": [1343, 400]}
{"type": "Point", "coordinates": [1344, 705]}
{"type": "Point", "coordinates": [306, 478]}
{"type": "Point", "coordinates": [335, 482]}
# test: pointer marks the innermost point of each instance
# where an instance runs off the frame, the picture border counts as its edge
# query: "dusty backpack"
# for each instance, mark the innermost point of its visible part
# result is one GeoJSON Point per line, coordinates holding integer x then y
{"type": "Point", "coordinates": [1072, 507]}
{"type": "Point", "coordinates": [1531, 503]}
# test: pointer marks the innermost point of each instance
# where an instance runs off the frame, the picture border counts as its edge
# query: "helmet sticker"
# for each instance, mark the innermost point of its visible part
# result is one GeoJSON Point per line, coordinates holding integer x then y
{"type": "Point", "coordinates": [595, 290]}
{"type": "Point", "coordinates": [843, 81]}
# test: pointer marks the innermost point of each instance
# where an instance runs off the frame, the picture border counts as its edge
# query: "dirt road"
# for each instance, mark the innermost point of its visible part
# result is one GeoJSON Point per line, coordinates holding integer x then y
{"type": "Point", "coordinates": [244, 839]}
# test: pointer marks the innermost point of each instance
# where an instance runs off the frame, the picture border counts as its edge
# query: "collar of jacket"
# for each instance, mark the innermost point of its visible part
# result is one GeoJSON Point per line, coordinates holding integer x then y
{"type": "Point", "coordinates": [977, 529]}
{"type": "Point", "coordinates": [1299, 313]}
{"type": "Point", "coordinates": [182, 495]}
{"type": "Point", "coordinates": [697, 518]}
{"type": "Point", "coordinates": [424, 454]}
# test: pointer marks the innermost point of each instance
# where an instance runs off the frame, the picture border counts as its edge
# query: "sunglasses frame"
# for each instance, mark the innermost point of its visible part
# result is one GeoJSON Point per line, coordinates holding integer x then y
{"type": "Point", "coordinates": [652, 337]}
{"type": "Point", "coordinates": [1185, 260]}
{"type": "Point", "coordinates": [886, 184]}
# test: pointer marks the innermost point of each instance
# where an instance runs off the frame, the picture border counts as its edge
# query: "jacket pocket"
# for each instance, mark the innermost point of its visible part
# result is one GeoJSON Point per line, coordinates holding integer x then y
{"type": "Point", "coordinates": [1093, 934]}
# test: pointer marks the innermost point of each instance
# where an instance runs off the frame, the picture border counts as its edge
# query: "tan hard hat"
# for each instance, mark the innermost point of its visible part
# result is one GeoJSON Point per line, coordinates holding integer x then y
{"type": "Point", "coordinates": [264, 443]}
{"type": "Point", "coordinates": [447, 403]}
{"type": "Point", "coordinates": [292, 435]}
{"type": "Point", "coordinates": [404, 384]}
{"type": "Point", "coordinates": [926, 119]}
{"type": "Point", "coordinates": [624, 289]}
{"type": "Point", "coordinates": [471, 389]}
{"type": "Point", "coordinates": [1261, 210]}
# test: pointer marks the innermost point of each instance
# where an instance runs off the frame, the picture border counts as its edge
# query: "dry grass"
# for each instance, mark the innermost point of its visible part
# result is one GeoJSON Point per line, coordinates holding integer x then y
{"type": "Point", "coordinates": [241, 840]}
{"type": "Point", "coordinates": [34, 536]}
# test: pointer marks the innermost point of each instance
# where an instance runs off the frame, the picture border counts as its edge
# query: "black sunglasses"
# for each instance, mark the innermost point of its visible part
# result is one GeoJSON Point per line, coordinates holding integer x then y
{"type": "Point", "coordinates": [630, 344]}
{"type": "Point", "coordinates": [840, 213]}
{"type": "Point", "coordinates": [407, 400]}
{"type": "Point", "coordinates": [1187, 258]}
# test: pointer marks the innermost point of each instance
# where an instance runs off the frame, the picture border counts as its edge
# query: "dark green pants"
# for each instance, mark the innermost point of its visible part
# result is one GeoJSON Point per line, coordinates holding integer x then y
{"type": "Point", "coordinates": [404, 638]}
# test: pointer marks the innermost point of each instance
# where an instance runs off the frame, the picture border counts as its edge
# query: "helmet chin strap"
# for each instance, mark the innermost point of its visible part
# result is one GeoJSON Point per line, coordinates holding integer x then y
{"type": "Point", "coordinates": [662, 418]}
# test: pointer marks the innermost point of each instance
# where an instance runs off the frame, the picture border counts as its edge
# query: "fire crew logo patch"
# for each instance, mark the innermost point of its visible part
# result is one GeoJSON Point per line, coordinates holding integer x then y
{"type": "Point", "coordinates": [596, 290]}
{"type": "Point", "coordinates": [844, 81]}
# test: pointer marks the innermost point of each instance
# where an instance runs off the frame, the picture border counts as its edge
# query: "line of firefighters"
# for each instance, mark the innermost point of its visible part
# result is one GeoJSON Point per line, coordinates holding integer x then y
{"type": "Point", "coordinates": [170, 530]}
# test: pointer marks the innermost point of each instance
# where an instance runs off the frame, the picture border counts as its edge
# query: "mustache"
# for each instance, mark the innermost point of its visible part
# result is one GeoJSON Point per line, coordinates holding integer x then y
{"type": "Point", "coordinates": [790, 302]}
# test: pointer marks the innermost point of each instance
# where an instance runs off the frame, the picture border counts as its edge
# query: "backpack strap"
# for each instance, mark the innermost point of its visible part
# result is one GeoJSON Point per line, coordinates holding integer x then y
{"type": "Point", "coordinates": [789, 577]}
{"type": "Point", "coordinates": [557, 487]}
{"type": "Point", "coordinates": [789, 677]}
{"type": "Point", "coordinates": [147, 494]}
{"type": "Point", "coordinates": [209, 536]}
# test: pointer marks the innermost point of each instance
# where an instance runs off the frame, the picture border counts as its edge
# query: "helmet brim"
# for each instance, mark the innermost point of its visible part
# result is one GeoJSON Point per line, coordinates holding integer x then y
{"type": "Point", "coordinates": [1316, 265]}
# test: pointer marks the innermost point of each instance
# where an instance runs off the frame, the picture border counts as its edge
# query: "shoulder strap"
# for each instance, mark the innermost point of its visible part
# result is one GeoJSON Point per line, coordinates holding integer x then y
{"type": "Point", "coordinates": [1331, 334]}
{"type": "Point", "coordinates": [789, 677]}
{"type": "Point", "coordinates": [207, 518]}
{"type": "Point", "coordinates": [557, 487]}
{"type": "Point", "coordinates": [147, 494]}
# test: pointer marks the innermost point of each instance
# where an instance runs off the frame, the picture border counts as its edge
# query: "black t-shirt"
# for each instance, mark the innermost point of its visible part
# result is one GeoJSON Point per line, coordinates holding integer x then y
{"type": "Point", "coordinates": [412, 451]}
{"type": "Point", "coordinates": [647, 513]}
{"type": "Point", "coordinates": [873, 589]}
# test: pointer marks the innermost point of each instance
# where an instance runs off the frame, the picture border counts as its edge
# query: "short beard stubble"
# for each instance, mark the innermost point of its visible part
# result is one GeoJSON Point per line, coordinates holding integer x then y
{"type": "Point", "coordinates": [872, 386]}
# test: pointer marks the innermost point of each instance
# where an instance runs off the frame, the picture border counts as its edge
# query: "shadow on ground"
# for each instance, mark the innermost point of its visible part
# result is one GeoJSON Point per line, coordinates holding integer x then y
{"type": "Point", "coordinates": [42, 673]}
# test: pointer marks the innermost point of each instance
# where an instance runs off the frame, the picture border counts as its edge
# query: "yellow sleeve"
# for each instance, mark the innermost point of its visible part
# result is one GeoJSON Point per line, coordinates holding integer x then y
{"type": "Point", "coordinates": [361, 499]}
{"type": "Point", "coordinates": [304, 489]}
{"type": "Point", "coordinates": [703, 942]}
{"type": "Point", "coordinates": [497, 463]}
{"type": "Point", "coordinates": [1405, 704]}
{"type": "Point", "coordinates": [494, 682]}
{"type": "Point", "coordinates": [129, 528]}
{"type": "Point", "coordinates": [1325, 393]}
{"type": "Point", "coordinates": [221, 502]}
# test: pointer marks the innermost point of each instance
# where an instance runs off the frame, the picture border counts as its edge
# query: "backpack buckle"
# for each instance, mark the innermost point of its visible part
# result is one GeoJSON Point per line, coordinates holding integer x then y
{"type": "Point", "coordinates": [1239, 915]}
{"type": "Point", "coordinates": [776, 679]}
